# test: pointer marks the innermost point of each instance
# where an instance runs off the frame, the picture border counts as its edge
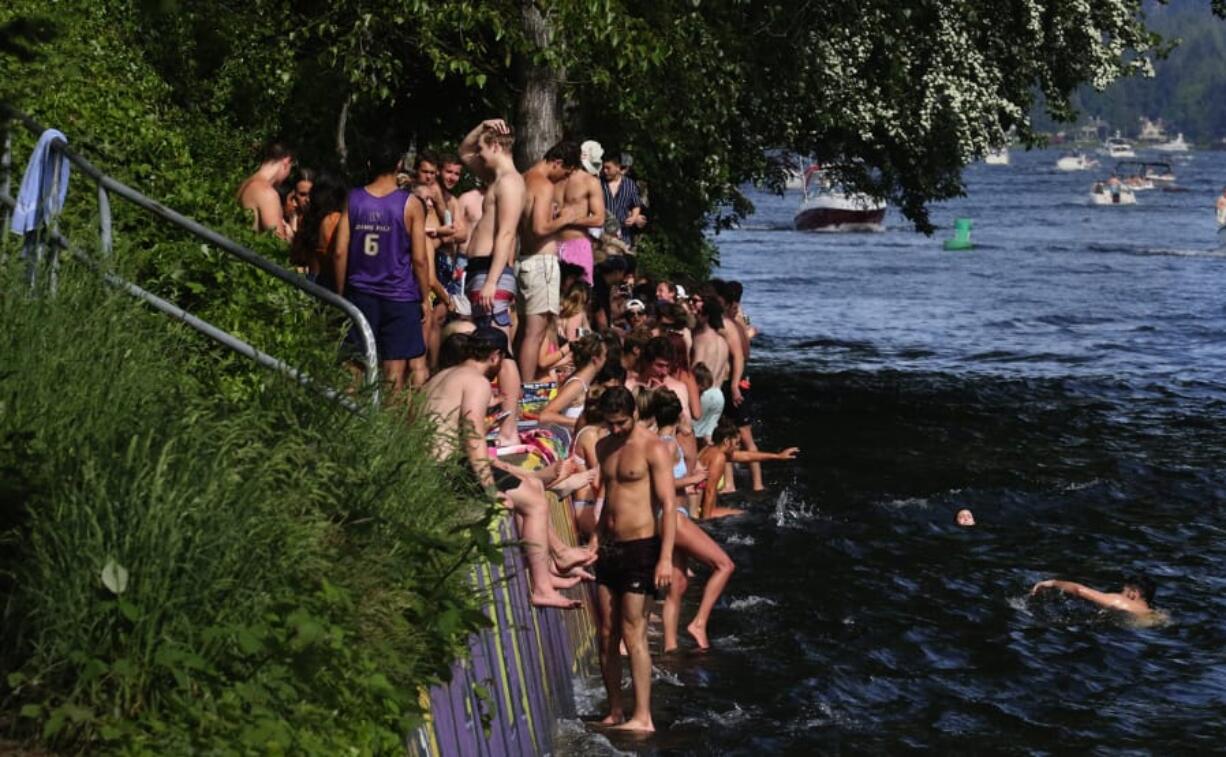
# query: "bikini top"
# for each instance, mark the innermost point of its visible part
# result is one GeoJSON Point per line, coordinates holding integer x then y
{"type": "Point", "coordinates": [679, 468]}
{"type": "Point", "coordinates": [574, 411]}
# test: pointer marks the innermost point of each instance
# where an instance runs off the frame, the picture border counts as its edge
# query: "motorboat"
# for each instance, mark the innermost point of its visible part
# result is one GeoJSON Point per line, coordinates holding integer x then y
{"type": "Point", "coordinates": [1107, 193]}
{"type": "Point", "coordinates": [1132, 174]}
{"type": "Point", "coordinates": [1160, 174]}
{"type": "Point", "coordinates": [1175, 145]}
{"type": "Point", "coordinates": [1075, 161]}
{"type": "Point", "coordinates": [1118, 147]}
{"type": "Point", "coordinates": [997, 157]}
{"type": "Point", "coordinates": [828, 207]}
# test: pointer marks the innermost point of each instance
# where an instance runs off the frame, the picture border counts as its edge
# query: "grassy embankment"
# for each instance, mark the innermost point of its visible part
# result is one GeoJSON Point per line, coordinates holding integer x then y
{"type": "Point", "coordinates": [196, 554]}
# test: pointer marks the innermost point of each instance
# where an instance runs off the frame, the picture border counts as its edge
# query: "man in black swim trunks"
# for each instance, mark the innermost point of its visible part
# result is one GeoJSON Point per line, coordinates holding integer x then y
{"type": "Point", "coordinates": [635, 548]}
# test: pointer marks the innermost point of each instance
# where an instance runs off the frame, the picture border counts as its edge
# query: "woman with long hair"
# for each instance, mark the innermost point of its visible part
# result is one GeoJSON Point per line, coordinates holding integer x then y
{"type": "Point", "coordinates": [312, 248]}
{"type": "Point", "coordinates": [564, 409]}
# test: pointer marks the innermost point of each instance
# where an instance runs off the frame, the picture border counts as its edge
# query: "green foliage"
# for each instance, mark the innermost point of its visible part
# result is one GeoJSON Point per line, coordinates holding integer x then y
{"type": "Point", "coordinates": [185, 572]}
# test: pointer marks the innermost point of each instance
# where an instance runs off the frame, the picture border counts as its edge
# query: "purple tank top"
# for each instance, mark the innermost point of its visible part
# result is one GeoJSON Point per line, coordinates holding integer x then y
{"type": "Point", "coordinates": [380, 251]}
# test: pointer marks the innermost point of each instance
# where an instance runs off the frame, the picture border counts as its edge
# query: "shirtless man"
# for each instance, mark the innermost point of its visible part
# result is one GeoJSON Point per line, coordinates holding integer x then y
{"type": "Point", "coordinates": [458, 398]}
{"type": "Point", "coordinates": [635, 547]}
{"type": "Point", "coordinates": [582, 190]}
{"type": "Point", "coordinates": [490, 280]}
{"type": "Point", "coordinates": [1135, 597]}
{"type": "Point", "coordinates": [1221, 208]}
{"type": "Point", "coordinates": [537, 273]}
{"type": "Point", "coordinates": [470, 208]}
{"type": "Point", "coordinates": [258, 193]}
{"type": "Point", "coordinates": [737, 406]}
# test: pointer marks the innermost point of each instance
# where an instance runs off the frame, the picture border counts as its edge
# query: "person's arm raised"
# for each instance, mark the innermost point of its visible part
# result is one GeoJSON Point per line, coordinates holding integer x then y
{"type": "Point", "coordinates": [660, 466]}
{"type": "Point", "coordinates": [1073, 589]}
{"type": "Point", "coordinates": [470, 149]}
{"type": "Point", "coordinates": [340, 255]}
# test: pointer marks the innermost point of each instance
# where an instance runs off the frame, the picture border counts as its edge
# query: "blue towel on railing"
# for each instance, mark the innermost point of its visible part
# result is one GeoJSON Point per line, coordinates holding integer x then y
{"type": "Point", "coordinates": [39, 173]}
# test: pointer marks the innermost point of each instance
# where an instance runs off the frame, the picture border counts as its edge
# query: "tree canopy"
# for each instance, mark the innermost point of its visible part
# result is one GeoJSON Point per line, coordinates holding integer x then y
{"type": "Point", "coordinates": [706, 94]}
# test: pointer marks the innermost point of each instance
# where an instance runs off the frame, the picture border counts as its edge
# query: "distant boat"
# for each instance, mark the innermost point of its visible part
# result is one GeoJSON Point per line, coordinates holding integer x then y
{"type": "Point", "coordinates": [1118, 147]}
{"type": "Point", "coordinates": [1175, 145]}
{"type": "Point", "coordinates": [1075, 162]}
{"type": "Point", "coordinates": [827, 207]}
{"type": "Point", "coordinates": [997, 157]}
{"type": "Point", "coordinates": [1160, 173]}
{"type": "Point", "coordinates": [1103, 193]}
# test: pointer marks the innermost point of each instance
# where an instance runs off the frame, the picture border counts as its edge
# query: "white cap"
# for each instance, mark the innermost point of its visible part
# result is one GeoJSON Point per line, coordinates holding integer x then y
{"type": "Point", "coordinates": [681, 295]}
{"type": "Point", "coordinates": [591, 154]}
{"type": "Point", "coordinates": [636, 306]}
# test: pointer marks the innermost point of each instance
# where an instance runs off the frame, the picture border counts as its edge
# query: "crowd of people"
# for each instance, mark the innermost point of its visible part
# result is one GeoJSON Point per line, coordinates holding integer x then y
{"type": "Point", "coordinates": [529, 284]}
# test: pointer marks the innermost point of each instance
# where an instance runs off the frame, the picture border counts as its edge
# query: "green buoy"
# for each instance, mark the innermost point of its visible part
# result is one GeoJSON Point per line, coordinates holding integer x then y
{"type": "Point", "coordinates": [962, 236]}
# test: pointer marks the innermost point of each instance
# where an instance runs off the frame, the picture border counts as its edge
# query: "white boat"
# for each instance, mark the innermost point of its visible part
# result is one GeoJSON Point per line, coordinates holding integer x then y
{"type": "Point", "coordinates": [997, 157]}
{"type": "Point", "coordinates": [1175, 145]}
{"type": "Point", "coordinates": [1075, 162]}
{"type": "Point", "coordinates": [827, 207]}
{"type": "Point", "coordinates": [1103, 193]}
{"type": "Point", "coordinates": [1118, 147]}
{"type": "Point", "coordinates": [1160, 174]}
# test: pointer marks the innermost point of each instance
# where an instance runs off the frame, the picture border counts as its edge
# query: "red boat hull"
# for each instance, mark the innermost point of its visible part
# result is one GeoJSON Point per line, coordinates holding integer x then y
{"type": "Point", "coordinates": [840, 219]}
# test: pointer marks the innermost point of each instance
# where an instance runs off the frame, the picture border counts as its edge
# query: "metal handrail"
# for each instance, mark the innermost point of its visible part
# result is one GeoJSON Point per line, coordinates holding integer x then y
{"type": "Point", "coordinates": [108, 185]}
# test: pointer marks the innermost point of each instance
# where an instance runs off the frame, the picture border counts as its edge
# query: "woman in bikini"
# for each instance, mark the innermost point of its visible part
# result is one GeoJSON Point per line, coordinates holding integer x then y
{"type": "Point", "coordinates": [692, 541]}
{"type": "Point", "coordinates": [588, 353]}
{"type": "Point", "coordinates": [725, 448]}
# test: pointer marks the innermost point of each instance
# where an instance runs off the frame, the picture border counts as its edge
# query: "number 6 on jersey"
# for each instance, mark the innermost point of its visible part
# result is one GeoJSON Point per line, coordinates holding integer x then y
{"type": "Point", "coordinates": [370, 244]}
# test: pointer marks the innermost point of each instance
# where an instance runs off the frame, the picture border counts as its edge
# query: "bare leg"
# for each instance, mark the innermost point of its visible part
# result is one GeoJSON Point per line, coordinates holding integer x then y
{"type": "Point", "coordinates": [634, 632]}
{"type": "Point", "coordinates": [393, 374]}
{"type": "Point", "coordinates": [533, 328]}
{"type": "Point", "coordinates": [755, 469]}
{"type": "Point", "coordinates": [530, 503]}
{"type": "Point", "coordinates": [419, 372]}
{"type": "Point", "coordinates": [434, 333]}
{"type": "Point", "coordinates": [676, 591]}
{"type": "Point", "coordinates": [610, 659]}
{"type": "Point", "coordinates": [703, 548]}
{"type": "Point", "coordinates": [729, 479]}
{"type": "Point", "coordinates": [566, 556]}
{"type": "Point", "coordinates": [512, 391]}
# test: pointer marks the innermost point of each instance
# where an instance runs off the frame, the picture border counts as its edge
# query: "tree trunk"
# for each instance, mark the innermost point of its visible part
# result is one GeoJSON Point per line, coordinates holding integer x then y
{"type": "Point", "coordinates": [538, 119]}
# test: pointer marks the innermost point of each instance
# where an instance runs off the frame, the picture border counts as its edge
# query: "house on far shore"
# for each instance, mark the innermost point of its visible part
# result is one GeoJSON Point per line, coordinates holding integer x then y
{"type": "Point", "coordinates": [1094, 131]}
{"type": "Point", "coordinates": [1152, 131]}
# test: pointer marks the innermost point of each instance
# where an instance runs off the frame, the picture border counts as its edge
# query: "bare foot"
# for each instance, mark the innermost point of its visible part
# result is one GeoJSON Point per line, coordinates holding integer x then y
{"type": "Point", "coordinates": [581, 573]}
{"type": "Point", "coordinates": [508, 440]}
{"type": "Point", "coordinates": [613, 718]}
{"type": "Point", "coordinates": [570, 558]}
{"type": "Point", "coordinates": [700, 635]}
{"type": "Point", "coordinates": [560, 582]}
{"type": "Point", "coordinates": [551, 598]}
{"type": "Point", "coordinates": [669, 650]}
{"type": "Point", "coordinates": [635, 725]}
{"type": "Point", "coordinates": [759, 489]}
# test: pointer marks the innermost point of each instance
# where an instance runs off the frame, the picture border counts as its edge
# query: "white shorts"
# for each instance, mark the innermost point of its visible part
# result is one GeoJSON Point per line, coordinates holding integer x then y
{"type": "Point", "coordinates": [539, 280]}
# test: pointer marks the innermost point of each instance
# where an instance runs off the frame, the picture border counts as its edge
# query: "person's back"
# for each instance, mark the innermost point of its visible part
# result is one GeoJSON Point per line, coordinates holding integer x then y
{"type": "Point", "coordinates": [380, 252]}
{"type": "Point", "coordinates": [445, 394]}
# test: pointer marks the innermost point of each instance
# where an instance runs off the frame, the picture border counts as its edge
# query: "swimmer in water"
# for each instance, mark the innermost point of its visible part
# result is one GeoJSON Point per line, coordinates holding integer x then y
{"type": "Point", "coordinates": [965, 518]}
{"type": "Point", "coordinates": [1135, 598]}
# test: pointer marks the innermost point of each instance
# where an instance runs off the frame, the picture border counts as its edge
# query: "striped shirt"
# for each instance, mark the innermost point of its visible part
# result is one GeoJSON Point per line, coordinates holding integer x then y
{"type": "Point", "coordinates": [620, 206]}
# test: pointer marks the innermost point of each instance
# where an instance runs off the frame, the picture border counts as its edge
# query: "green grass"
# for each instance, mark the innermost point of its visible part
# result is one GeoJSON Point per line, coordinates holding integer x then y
{"type": "Point", "coordinates": [294, 572]}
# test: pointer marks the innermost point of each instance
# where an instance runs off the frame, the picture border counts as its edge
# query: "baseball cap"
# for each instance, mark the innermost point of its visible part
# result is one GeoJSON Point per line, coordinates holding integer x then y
{"type": "Point", "coordinates": [681, 294]}
{"type": "Point", "coordinates": [636, 306]}
{"type": "Point", "coordinates": [591, 155]}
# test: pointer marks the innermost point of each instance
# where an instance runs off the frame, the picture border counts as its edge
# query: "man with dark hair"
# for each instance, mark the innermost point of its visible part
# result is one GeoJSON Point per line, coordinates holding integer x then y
{"type": "Point", "coordinates": [458, 398]}
{"type": "Point", "coordinates": [581, 190]}
{"type": "Point", "coordinates": [622, 200]}
{"type": "Point", "coordinates": [737, 405]}
{"type": "Point", "coordinates": [709, 347]}
{"type": "Point", "coordinates": [635, 548]}
{"type": "Point", "coordinates": [258, 193]}
{"type": "Point", "coordinates": [1135, 597]}
{"type": "Point", "coordinates": [537, 273]}
{"type": "Point", "coordinates": [382, 266]}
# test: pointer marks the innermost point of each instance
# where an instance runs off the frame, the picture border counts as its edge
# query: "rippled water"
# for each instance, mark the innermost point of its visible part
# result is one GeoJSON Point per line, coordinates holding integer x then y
{"type": "Point", "coordinates": [1066, 380]}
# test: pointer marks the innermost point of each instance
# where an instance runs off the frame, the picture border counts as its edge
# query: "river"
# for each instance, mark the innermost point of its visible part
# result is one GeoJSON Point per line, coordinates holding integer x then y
{"type": "Point", "coordinates": [1065, 380]}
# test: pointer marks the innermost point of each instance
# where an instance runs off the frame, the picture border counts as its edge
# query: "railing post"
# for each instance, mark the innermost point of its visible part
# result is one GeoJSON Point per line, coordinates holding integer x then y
{"type": "Point", "coordinates": [104, 221]}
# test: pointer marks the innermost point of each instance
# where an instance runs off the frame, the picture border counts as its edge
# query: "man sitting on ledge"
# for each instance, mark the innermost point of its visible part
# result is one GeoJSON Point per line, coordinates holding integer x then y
{"type": "Point", "coordinates": [459, 397]}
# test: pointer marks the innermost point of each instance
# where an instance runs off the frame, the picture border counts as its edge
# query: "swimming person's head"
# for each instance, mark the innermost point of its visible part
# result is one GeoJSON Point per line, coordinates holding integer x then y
{"type": "Point", "coordinates": [1140, 587]}
{"type": "Point", "coordinates": [965, 518]}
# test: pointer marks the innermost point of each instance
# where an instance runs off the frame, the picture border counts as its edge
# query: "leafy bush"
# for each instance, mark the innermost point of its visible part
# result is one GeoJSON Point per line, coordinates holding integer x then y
{"type": "Point", "coordinates": [184, 571]}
